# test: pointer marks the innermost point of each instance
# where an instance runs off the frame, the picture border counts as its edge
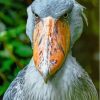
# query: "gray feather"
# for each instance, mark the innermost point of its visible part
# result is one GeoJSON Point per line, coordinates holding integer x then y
{"type": "Point", "coordinates": [76, 22]}
{"type": "Point", "coordinates": [71, 82]}
{"type": "Point", "coordinates": [54, 8]}
{"type": "Point", "coordinates": [30, 23]}
{"type": "Point", "coordinates": [15, 90]}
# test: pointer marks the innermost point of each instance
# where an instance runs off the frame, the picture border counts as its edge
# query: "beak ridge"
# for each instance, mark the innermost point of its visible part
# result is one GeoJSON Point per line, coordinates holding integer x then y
{"type": "Point", "coordinates": [51, 40]}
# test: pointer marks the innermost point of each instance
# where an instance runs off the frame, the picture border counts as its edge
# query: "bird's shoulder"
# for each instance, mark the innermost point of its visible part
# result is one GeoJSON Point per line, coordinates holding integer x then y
{"type": "Point", "coordinates": [15, 90]}
{"type": "Point", "coordinates": [81, 84]}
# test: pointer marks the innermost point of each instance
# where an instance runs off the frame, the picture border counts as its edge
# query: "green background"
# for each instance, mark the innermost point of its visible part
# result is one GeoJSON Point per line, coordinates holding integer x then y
{"type": "Point", "coordinates": [15, 47]}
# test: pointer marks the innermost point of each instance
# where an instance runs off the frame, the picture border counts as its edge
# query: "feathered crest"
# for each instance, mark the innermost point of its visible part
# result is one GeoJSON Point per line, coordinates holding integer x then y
{"type": "Point", "coordinates": [75, 20]}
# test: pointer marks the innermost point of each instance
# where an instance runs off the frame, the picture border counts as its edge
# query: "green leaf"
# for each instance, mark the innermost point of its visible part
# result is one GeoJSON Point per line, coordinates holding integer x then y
{"type": "Point", "coordinates": [6, 2]}
{"type": "Point", "coordinates": [4, 54]}
{"type": "Point", "coordinates": [23, 51]}
{"type": "Point", "coordinates": [12, 32]}
{"type": "Point", "coordinates": [3, 88]}
{"type": "Point", "coordinates": [7, 65]}
{"type": "Point", "coordinates": [16, 71]}
{"type": "Point", "coordinates": [6, 19]}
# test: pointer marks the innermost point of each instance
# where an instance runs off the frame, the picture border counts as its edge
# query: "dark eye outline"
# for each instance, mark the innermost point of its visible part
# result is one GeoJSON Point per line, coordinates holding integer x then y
{"type": "Point", "coordinates": [65, 15]}
{"type": "Point", "coordinates": [37, 18]}
{"type": "Point", "coordinates": [36, 15]}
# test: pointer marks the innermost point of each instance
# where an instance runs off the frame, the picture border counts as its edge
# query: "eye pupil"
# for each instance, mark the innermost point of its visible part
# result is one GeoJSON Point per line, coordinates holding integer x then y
{"type": "Point", "coordinates": [65, 15]}
{"type": "Point", "coordinates": [37, 18]}
{"type": "Point", "coordinates": [36, 15]}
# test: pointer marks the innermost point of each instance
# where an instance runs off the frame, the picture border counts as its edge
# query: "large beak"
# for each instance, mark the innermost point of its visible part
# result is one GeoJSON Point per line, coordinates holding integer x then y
{"type": "Point", "coordinates": [51, 40]}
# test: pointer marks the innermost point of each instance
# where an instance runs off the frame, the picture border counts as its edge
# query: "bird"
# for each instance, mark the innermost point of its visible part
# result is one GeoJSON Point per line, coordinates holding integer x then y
{"type": "Point", "coordinates": [53, 27]}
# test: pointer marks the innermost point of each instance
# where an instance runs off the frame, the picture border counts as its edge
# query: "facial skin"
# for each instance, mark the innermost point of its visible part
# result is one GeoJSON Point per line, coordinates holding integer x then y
{"type": "Point", "coordinates": [51, 39]}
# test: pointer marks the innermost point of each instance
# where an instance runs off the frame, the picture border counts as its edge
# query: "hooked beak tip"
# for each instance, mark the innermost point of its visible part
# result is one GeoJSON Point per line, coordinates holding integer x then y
{"type": "Point", "coordinates": [45, 79]}
{"type": "Point", "coordinates": [45, 76]}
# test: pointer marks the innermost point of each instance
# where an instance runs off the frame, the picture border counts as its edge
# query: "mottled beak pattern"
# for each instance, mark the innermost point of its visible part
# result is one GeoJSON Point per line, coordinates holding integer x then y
{"type": "Point", "coordinates": [51, 40]}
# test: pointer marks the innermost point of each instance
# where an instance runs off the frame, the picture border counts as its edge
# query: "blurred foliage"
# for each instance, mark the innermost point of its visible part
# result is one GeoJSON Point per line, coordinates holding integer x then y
{"type": "Point", "coordinates": [15, 47]}
{"type": "Point", "coordinates": [86, 49]}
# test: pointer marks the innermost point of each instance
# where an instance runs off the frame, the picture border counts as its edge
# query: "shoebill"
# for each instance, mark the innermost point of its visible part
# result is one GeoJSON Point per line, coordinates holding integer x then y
{"type": "Point", "coordinates": [53, 26]}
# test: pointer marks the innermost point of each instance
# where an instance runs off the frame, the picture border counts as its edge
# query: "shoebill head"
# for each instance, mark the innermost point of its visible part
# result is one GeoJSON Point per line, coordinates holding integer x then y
{"type": "Point", "coordinates": [53, 26]}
